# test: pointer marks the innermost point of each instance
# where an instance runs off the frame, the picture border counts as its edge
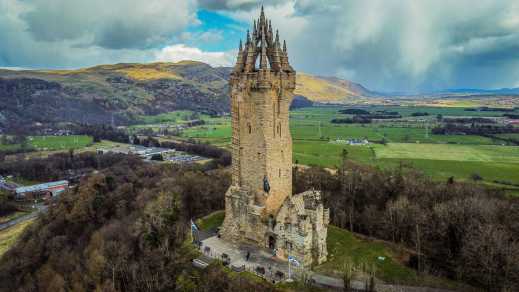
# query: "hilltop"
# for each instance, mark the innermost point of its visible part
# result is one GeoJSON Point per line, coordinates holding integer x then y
{"type": "Point", "coordinates": [123, 91]}
{"type": "Point", "coordinates": [102, 93]}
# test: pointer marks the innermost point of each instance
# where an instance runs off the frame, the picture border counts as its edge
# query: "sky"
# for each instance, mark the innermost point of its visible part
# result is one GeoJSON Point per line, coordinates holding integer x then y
{"type": "Point", "coordinates": [386, 45]}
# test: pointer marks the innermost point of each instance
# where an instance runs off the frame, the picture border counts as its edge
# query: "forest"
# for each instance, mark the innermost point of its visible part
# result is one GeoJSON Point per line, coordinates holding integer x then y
{"type": "Point", "coordinates": [459, 230]}
{"type": "Point", "coordinates": [125, 227]}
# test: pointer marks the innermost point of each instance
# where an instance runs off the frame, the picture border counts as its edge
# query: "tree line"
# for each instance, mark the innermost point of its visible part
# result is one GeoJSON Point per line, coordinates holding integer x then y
{"type": "Point", "coordinates": [462, 231]}
{"type": "Point", "coordinates": [124, 228]}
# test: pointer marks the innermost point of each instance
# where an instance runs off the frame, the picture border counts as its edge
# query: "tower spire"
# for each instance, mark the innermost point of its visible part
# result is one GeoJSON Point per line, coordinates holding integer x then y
{"type": "Point", "coordinates": [263, 61]}
{"type": "Point", "coordinates": [262, 16]}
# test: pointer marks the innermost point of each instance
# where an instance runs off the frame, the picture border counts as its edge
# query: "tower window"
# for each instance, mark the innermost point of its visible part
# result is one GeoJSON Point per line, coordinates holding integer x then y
{"type": "Point", "coordinates": [250, 128]}
{"type": "Point", "coordinates": [280, 172]}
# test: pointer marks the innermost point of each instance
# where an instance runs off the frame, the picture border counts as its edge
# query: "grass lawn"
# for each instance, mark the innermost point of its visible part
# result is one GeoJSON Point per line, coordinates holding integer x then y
{"type": "Point", "coordinates": [211, 221]}
{"type": "Point", "coordinates": [344, 246]}
{"type": "Point", "coordinates": [9, 236]}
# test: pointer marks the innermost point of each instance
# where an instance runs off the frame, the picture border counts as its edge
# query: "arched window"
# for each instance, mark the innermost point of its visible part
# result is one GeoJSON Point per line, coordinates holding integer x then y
{"type": "Point", "coordinates": [250, 127]}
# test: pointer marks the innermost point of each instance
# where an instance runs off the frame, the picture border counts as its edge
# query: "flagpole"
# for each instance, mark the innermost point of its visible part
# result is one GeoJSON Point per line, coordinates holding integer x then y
{"type": "Point", "coordinates": [289, 274]}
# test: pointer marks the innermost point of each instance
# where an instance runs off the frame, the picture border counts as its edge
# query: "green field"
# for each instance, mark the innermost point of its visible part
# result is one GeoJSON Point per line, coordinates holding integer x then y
{"type": "Point", "coordinates": [410, 144]}
{"type": "Point", "coordinates": [483, 153]}
{"type": "Point", "coordinates": [51, 143]}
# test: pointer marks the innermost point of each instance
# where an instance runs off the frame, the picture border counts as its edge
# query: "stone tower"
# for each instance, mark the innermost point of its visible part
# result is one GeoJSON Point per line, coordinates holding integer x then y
{"type": "Point", "coordinates": [262, 85]}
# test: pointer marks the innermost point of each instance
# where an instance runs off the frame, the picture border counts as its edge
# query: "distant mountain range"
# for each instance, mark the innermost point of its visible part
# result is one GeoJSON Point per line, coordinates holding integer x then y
{"type": "Point", "coordinates": [122, 92]}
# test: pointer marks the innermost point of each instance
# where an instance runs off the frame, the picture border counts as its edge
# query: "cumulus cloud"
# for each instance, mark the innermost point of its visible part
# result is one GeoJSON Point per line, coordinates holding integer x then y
{"type": "Point", "coordinates": [113, 24]}
{"type": "Point", "coordinates": [182, 52]}
{"type": "Point", "coordinates": [407, 45]}
{"type": "Point", "coordinates": [400, 45]}
{"type": "Point", "coordinates": [74, 33]}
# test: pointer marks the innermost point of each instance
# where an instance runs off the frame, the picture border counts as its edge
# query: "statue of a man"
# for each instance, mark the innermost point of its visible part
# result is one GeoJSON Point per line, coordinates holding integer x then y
{"type": "Point", "coordinates": [266, 185]}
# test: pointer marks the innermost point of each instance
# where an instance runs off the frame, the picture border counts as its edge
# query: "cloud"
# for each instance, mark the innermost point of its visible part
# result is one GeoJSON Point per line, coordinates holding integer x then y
{"type": "Point", "coordinates": [73, 33]}
{"type": "Point", "coordinates": [182, 52]}
{"type": "Point", "coordinates": [387, 45]}
{"type": "Point", "coordinates": [236, 4]}
{"type": "Point", "coordinates": [113, 24]}
{"type": "Point", "coordinates": [403, 45]}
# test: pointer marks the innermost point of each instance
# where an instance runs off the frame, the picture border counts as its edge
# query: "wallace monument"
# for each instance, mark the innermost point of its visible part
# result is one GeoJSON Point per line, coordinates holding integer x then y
{"type": "Point", "coordinates": [260, 208]}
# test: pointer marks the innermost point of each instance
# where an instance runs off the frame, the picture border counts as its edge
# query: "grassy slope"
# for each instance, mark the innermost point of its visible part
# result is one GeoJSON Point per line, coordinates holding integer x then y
{"type": "Point", "coordinates": [321, 90]}
{"type": "Point", "coordinates": [9, 236]}
{"type": "Point", "coordinates": [12, 216]}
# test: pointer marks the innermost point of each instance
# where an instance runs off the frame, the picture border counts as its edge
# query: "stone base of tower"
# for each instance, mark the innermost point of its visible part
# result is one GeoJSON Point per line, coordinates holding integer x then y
{"type": "Point", "coordinates": [298, 229]}
{"type": "Point", "coordinates": [243, 222]}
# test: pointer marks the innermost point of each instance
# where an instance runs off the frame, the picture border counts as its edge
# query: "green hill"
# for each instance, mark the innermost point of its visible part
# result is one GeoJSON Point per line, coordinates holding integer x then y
{"type": "Point", "coordinates": [102, 93]}
{"type": "Point", "coordinates": [121, 92]}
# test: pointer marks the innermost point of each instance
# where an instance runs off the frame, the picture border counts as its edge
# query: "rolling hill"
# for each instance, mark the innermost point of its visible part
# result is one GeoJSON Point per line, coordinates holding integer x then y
{"type": "Point", "coordinates": [120, 92]}
{"type": "Point", "coordinates": [330, 89]}
{"type": "Point", "coordinates": [102, 93]}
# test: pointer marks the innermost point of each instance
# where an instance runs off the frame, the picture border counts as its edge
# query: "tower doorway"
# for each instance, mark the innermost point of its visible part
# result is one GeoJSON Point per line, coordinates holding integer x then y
{"type": "Point", "coordinates": [271, 242]}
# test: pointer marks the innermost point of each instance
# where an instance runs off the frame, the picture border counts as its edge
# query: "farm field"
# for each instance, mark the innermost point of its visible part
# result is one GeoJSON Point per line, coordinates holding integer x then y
{"type": "Point", "coordinates": [484, 153]}
{"type": "Point", "coordinates": [51, 143]}
{"type": "Point", "coordinates": [409, 143]}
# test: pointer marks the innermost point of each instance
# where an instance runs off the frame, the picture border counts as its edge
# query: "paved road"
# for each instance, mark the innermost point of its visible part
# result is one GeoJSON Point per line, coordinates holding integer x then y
{"type": "Point", "coordinates": [34, 214]}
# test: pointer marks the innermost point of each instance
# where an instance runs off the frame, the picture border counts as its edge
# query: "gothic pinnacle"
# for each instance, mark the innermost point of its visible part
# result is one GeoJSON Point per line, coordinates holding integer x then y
{"type": "Point", "coordinates": [284, 46]}
{"type": "Point", "coordinates": [262, 16]}
{"type": "Point", "coordinates": [241, 47]}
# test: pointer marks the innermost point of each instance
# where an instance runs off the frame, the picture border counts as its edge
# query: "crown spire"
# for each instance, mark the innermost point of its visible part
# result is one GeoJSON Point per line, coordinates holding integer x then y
{"type": "Point", "coordinates": [241, 47]}
{"type": "Point", "coordinates": [262, 16]}
{"type": "Point", "coordinates": [263, 61]}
